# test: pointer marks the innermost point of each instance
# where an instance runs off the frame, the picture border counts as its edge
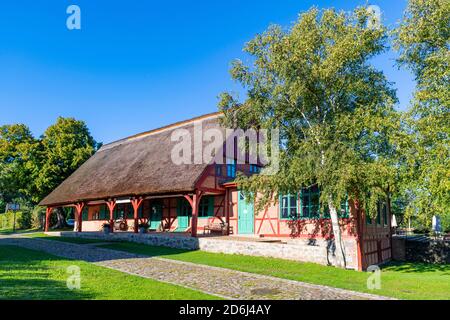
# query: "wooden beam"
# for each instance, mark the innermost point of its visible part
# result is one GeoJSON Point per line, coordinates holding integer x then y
{"type": "Point", "coordinates": [194, 201]}
{"type": "Point", "coordinates": [111, 204]}
{"type": "Point", "coordinates": [79, 215]}
{"type": "Point", "coordinates": [48, 213]}
{"type": "Point", "coordinates": [136, 203]}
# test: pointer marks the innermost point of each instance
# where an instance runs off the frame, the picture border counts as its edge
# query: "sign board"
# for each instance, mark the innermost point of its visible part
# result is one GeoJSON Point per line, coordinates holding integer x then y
{"type": "Point", "coordinates": [120, 201]}
{"type": "Point", "coordinates": [12, 207]}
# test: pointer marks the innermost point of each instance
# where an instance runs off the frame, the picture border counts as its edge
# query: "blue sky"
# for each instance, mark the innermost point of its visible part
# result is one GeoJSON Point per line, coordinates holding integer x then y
{"type": "Point", "coordinates": [136, 65]}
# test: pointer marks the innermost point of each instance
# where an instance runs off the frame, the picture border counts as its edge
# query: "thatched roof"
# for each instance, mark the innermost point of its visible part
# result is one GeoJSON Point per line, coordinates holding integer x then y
{"type": "Point", "coordinates": [138, 165]}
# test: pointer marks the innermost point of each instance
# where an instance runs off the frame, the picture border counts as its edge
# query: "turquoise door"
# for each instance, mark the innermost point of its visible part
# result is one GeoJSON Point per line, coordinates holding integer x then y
{"type": "Point", "coordinates": [245, 215]}
{"type": "Point", "coordinates": [156, 215]}
{"type": "Point", "coordinates": [184, 212]}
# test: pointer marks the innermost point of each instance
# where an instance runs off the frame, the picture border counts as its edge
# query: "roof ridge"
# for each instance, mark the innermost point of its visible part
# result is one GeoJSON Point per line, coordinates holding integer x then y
{"type": "Point", "coordinates": [159, 130]}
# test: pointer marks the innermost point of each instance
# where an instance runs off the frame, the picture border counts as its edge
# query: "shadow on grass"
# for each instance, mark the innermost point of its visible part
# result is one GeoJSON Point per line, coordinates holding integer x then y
{"type": "Point", "coordinates": [10, 231]}
{"type": "Point", "coordinates": [88, 250]}
{"type": "Point", "coordinates": [415, 267]}
{"type": "Point", "coordinates": [38, 289]}
{"type": "Point", "coordinates": [30, 275]}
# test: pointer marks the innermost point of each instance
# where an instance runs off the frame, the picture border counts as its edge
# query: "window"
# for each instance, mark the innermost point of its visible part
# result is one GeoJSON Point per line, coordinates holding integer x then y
{"type": "Point", "coordinates": [231, 168]}
{"type": "Point", "coordinates": [310, 201]}
{"type": "Point", "coordinates": [140, 211]}
{"type": "Point", "coordinates": [345, 210]}
{"type": "Point", "coordinates": [310, 206]}
{"type": "Point", "coordinates": [218, 170]}
{"type": "Point", "coordinates": [343, 213]}
{"type": "Point", "coordinates": [368, 218]}
{"type": "Point", "coordinates": [104, 213]}
{"type": "Point", "coordinates": [206, 207]}
{"type": "Point", "coordinates": [184, 208]}
{"type": "Point", "coordinates": [123, 211]}
{"type": "Point", "coordinates": [85, 214]}
{"type": "Point", "coordinates": [254, 168]}
{"type": "Point", "coordinates": [288, 209]}
{"type": "Point", "coordinates": [379, 209]}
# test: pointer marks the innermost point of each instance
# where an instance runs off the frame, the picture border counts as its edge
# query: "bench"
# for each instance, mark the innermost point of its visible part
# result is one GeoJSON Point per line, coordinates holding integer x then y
{"type": "Point", "coordinates": [218, 227]}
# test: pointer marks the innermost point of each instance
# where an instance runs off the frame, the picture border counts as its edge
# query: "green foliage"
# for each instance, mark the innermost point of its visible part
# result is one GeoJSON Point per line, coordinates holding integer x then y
{"type": "Point", "coordinates": [23, 220]}
{"type": "Point", "coordinates": [423, 40]}
{"type": "Point", "coordinates": [38, 217]}
{"type": "Point", "coordinates": [64, 147]}
{"type": "Point", "coordinates": [334, 109]}
{"type": "Point", "coordinates": [31, 168]}
{"type": "Point", "coordinates": [17, 156]}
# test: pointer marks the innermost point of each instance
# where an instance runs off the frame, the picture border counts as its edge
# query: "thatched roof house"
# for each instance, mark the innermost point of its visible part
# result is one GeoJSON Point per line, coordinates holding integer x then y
{"type": "Point", "coordinates": [139, 165]}
{"type": "Point", "coordinates": [135, 181]}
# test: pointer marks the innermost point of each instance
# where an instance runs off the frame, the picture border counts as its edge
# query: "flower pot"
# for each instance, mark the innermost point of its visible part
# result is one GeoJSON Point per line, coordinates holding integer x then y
{"type": "Point", "coordinates": [106, 230]}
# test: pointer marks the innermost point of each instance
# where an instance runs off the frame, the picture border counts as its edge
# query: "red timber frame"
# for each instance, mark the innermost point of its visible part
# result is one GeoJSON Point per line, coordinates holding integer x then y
{"type": "Point", "coordinates": [194, 201]}
{"type": "Point", "coordinates": [136, 203]}
{"type": "Point", "coordinates": [111, 204]}
{"type": "Point", "coordinates": [216, 214]}
{"type": "Point", "coordinates": [48, 213]}
{"type": "Point", "coordinates": [360, 226]}
{"type": "Point", "coordinates": [79, 215]}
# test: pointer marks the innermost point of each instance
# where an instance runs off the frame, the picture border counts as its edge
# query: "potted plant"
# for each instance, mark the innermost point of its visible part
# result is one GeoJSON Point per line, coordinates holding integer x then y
{"type": "Point", "coordinates": [106, 228]}
{"type": "Point", "coordinates": [143, 228]}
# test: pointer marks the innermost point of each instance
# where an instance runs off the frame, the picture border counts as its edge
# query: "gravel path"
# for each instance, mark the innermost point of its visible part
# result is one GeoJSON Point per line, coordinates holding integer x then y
{"type": "Point", "coordinates": [217, 281]}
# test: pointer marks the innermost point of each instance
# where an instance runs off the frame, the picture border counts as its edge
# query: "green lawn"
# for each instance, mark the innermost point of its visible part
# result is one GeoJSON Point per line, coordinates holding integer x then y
{"type": "Point", "coordinates": [10, 231]}
{"type": "Point", "coordinates": [402, 280]}
{"type": "Point", "coordinates": [65, 239]}
{"type": "Point", "coordinates": [33, 275]}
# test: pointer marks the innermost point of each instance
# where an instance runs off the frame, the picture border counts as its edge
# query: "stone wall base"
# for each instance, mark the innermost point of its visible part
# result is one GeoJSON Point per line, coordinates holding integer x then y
{"type": "Point", "coordinates": [303, 250]}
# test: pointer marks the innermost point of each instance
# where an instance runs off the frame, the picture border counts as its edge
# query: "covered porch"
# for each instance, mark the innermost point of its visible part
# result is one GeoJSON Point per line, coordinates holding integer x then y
{"type": "Point", "coordinates": [185, 214]}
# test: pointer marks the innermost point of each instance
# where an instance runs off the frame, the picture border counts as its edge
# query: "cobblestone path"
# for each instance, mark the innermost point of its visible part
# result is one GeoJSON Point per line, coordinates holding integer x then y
{"type": "Point", "coordinates": [222, 282]}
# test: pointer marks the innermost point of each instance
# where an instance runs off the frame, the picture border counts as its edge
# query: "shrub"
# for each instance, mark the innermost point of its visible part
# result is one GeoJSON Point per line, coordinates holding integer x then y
{"type": "Point", "coordinates": [23, 220]}
{"type": "Point", "coordinates": [38, 218]}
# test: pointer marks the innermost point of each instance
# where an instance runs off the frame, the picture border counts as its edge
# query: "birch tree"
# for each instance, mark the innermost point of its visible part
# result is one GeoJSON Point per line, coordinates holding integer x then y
{"type": "Point", "coordinates": [423, 40]}
{"type": "Point", "coordinates": [334, 110]}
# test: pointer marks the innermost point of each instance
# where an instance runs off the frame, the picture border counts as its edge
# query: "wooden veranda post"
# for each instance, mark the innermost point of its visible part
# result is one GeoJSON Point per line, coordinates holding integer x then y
{"type": "Point", "coordinates": [48, 214]}
{"type": "Point", "coordinates": [79, 215]}
{"type": "Point", "coordinates": [136, 203]}
{"type": "Point", "coordinates": [111, 204]}
{"type": "Point", "coordinates": [194, 202]}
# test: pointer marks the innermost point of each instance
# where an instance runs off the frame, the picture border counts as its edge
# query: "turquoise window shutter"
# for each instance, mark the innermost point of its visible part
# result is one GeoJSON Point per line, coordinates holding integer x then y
{"type": "Point", "coordinates": [141, 211]}
{"type": "Point", "coordinates": [102, 213]}
{"type": "Point", "coordinates": [211, 206]}
{"type": "Point", "coordinates": [85, 214]}
{"type": "Point", "coordinates": [178, 207]}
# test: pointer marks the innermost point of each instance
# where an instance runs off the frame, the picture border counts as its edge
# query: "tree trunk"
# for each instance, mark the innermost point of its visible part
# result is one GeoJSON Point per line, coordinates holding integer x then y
{"type": "Point", "coordinates": [340, 247]}
{"type": "Point", "coordinates": [61, 216]}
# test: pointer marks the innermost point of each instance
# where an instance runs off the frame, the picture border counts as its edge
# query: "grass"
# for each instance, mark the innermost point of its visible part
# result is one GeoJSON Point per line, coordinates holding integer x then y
{"type": "Point", "coordinates": [10, 231]}
{"type": "Point", "coordinates": [398, 280]}
{"type": "Point", "coordinates": [33, 275]}
{"type": "Point", "coordinates": [65, 239]}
